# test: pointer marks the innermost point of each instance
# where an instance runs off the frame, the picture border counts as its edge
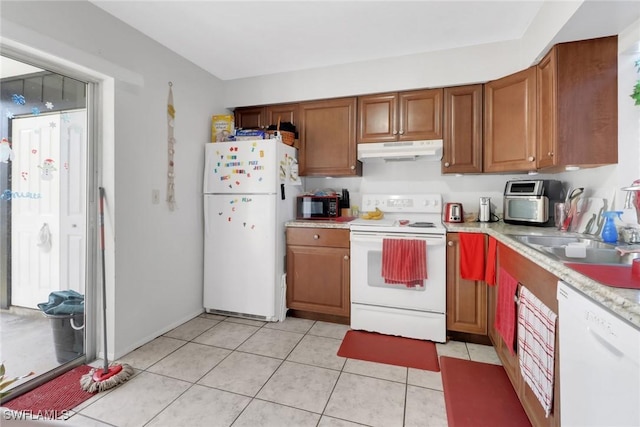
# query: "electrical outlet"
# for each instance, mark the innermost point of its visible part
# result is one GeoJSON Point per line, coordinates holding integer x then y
{"type": "Point", "coordinates": [155, 197]}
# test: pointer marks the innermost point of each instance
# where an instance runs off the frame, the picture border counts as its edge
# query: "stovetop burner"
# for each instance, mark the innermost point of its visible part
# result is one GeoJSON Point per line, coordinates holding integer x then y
{"type": "Point", "coordinates": [422, 224]}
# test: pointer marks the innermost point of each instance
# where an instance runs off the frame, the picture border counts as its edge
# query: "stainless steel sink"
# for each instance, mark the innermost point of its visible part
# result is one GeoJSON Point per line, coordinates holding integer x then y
{"type": "Point", "coordinates": [593, 256]}
{"type": "Point", "coordinates": [550, 241]}
{"type": "Point", "coordinates": [595, 251]}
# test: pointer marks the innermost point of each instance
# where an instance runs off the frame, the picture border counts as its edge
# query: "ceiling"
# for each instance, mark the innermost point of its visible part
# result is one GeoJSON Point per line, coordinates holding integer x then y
{"type": "Point", "coordinates": [238, 39]}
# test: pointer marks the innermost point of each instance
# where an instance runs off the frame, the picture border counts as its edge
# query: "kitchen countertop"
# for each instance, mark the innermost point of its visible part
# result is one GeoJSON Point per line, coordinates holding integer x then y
{"type": "Point", "coordinates": [319, 223]}
{"type": "Point", "coordinates": [623, 302]}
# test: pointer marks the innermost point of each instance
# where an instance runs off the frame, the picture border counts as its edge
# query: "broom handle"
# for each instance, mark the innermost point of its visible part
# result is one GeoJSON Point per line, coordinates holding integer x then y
{"type": "Point", "coordinates": [104, 286]}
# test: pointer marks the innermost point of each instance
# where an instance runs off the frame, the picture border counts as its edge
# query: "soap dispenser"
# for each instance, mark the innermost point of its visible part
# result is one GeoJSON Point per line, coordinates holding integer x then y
{"type": "Point", "coordinates": [609, 231]}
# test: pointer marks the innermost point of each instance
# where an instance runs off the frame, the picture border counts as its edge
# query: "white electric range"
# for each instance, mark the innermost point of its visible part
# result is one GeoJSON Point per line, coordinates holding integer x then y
{"type": "Point", "coordinates": [412, 312]}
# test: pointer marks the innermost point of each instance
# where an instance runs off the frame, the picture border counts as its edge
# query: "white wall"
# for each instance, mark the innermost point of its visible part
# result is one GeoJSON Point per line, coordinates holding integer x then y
{"type": "Point", "coordinates": [603, 182]}
{"type": "Point", "coordinates": [449, 67]}
{"type": "Point", "coordinates": [154, 258]}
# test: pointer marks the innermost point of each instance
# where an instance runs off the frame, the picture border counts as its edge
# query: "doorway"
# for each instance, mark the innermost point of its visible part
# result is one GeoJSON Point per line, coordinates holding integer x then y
{"type": "Point", "coordinates": [44, 158]}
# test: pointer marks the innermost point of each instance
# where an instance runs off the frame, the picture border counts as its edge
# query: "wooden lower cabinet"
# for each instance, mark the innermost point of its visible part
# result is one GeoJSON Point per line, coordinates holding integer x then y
{"type": "Point", "coordinates": [466, 299]}
{"type": "Point", "coordinates": [318, 271]}
{"type": "Point", "coordinates": [544, 286]}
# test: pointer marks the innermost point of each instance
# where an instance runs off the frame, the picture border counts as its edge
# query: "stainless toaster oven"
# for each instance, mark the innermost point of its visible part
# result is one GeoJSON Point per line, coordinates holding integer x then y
{"type": "Point", "coordinates": [530, 202]}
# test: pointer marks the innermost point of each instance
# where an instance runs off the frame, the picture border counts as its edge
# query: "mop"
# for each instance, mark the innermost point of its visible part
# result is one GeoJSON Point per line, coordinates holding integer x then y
{"type": "Point", "coordinates": [110, 375]}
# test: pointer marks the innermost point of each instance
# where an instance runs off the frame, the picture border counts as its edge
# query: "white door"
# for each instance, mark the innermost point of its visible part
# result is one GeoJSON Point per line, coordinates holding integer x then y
{"type": "Point", "coordinates": [73, 151]}
{"type": "Point", "coordinates": [47, 206]}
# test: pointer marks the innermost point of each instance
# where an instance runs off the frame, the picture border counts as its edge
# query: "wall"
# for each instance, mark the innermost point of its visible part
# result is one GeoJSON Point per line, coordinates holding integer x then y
{"type": "Point", "coordinates": [154, 256]}
{"type": "Point", "coordinates": [449, 67]}
{"type": "Point", "coordinates": [603, 182]}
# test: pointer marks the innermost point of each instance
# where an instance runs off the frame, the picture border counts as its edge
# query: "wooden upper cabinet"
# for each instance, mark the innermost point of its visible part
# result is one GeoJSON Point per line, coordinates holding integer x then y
{"type": "Point", "coordinates": [546, 121]}
{"type": "Point", "coordinates": [250, 117]}
{"type": "Point", "coordinates": [462, 133]}
{"type": "Point", "coordinates": [510, 123]}
{"type": "Point", "coordinates": [400, 116]}
{"type": "Point", "coordinates": [578, 105]}
{"type": "Point", "coordinates": [328, 138]}
{"type": "Point", "coordinates": [286, 113]}
{"type": "Point", "coordinates": [262, 117]}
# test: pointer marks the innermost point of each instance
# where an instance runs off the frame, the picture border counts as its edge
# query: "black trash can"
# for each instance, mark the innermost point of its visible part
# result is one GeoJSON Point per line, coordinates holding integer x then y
{"type": "Point", "coordinates": [65, 311]}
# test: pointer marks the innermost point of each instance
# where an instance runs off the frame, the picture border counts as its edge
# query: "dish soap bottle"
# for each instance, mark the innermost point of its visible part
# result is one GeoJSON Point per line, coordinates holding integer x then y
{"type": "Point", "coordinates": [609, 231]}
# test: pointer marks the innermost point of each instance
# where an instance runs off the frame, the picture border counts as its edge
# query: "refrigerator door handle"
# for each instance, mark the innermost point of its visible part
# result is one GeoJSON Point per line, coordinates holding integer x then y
{"type": "Point", "coordinates": [206, 216]}
{"type": "Point", "coordinates": [282, 196]}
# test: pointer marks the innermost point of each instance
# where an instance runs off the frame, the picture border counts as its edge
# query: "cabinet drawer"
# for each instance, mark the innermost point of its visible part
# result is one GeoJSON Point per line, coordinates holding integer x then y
{"type": "Point", "coordinates": [318, 237]}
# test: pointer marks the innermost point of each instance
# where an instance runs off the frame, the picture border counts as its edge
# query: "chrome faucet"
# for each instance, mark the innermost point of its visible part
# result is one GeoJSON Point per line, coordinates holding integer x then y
{"type": "Point", "coordinates": [632, 199]}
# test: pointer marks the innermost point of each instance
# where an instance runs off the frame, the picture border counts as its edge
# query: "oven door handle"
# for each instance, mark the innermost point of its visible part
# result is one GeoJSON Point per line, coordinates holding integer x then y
{"type": "Point", "coordinates": [377, 238]}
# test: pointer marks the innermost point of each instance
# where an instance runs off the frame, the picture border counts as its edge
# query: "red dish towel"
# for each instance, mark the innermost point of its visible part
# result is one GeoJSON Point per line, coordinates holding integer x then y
{"type": "Point", "coordinates": [472, 256]}
{"type": "Point", "coordinates": [490, 268]}
{"type": "Point", "coordinates": [404, 261]}
{"type": "Point", "coordinates": [505, 321]}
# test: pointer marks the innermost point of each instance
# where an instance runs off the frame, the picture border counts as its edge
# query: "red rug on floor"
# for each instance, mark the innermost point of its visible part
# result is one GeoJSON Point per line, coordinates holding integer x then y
{"type": "Point", "coordinates": [390, 349]}
{"type": "Point", "coordinates": [480, 394]}
{"type": "Point", "coordinates": [60, 394]}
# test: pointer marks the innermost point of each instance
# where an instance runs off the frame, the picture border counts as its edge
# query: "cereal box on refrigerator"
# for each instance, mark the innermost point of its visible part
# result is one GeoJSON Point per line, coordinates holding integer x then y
{"type": "Point", "coordinates": [221, 127]}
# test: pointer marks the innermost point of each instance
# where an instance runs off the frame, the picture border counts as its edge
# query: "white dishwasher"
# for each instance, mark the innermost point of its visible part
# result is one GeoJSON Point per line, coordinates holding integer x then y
{"type": "Point", "coordinates": [599, 364]}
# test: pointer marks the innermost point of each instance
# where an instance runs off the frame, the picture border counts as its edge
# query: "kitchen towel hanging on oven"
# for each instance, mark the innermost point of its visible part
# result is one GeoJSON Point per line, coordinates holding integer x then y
{"type": "Point", "coordinates": [404, 261]}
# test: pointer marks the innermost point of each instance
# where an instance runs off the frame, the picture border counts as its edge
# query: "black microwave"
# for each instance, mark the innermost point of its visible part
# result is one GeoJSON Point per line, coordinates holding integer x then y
{"type": "Point", "coordinates": [317, 207]}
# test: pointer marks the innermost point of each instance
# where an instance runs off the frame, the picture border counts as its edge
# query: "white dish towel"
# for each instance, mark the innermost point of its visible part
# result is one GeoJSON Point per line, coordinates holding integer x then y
{"type": "Point", "coordinates": [536, 344]}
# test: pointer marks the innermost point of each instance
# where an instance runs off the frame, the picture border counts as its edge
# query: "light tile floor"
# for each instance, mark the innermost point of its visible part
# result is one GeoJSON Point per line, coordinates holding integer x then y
{"type": "Point", "coordinates": [26, 343]}
{"type": "Point", "coordinates": [219, 371]}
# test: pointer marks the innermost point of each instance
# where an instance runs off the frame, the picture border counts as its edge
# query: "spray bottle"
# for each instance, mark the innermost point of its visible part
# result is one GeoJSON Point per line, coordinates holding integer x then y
{"type": "Point", "coordinates": [609, 231]}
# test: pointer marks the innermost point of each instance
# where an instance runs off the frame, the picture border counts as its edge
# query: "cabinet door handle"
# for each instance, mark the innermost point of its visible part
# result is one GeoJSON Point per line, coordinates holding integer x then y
{"type": "Point", "coordinates": [346, 257]}
{"type": "Point", "coordinates": [447, 164]}
{"type": "Point", "coordinates": [550, 154]}
{"type": "Point", "coordinates": [449, 243]}
{"type": "Point", "coordinates": [395, 132]}
{"type": "Point", "coordinates": [353, 167]}
{"type": "Point", "coordinates": [531, 158]}
{"type": "Point", "coordinates": [316, 236]}
{"type": "Point", "coordinates": [401, 132]}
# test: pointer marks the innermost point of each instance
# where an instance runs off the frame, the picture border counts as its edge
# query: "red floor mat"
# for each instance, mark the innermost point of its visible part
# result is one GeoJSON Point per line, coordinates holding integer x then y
{"type": "Point", "coordinates": [389, 349]}
{"type": "Point", "coordinates": [480, 394]}
{"type": "Point", "coordinates": [54, 397]}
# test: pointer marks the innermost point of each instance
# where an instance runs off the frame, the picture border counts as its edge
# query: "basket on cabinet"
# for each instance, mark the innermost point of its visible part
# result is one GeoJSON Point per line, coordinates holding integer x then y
{"type": "Point", "coordinates": [286, 137]}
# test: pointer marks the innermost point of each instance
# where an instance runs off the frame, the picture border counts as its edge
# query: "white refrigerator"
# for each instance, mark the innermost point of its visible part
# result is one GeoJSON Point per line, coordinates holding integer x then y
{"type": "Point", "coordinates": [250, 190]}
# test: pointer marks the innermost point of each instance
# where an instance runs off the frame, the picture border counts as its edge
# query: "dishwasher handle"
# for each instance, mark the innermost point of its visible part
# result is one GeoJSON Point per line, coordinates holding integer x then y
{"type": "Point", "coordinates": [605, 343]}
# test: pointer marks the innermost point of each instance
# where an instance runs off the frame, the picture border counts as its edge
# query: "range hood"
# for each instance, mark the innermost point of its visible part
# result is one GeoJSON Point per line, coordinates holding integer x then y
{"type": "Point", "coordinates": [430, 150]}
